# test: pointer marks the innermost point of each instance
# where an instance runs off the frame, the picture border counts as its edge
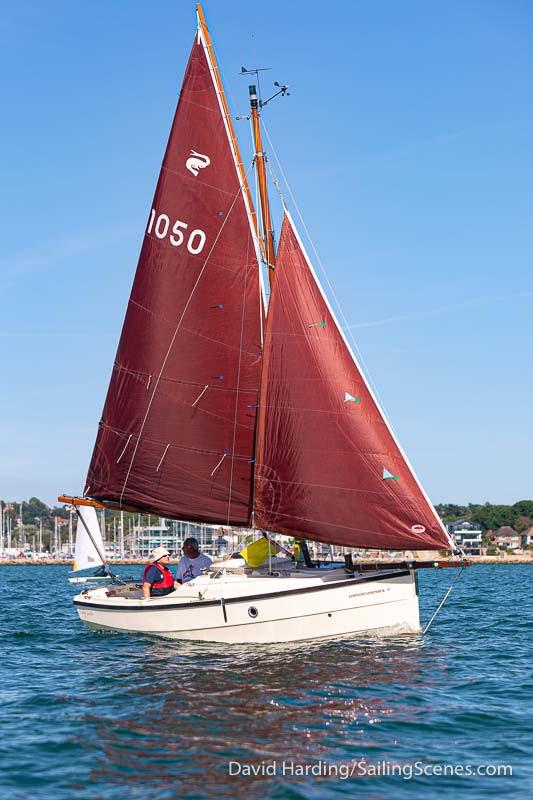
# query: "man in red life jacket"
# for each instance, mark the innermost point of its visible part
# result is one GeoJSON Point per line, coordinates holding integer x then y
{"type": "Point", "coordinates": [157, 579]}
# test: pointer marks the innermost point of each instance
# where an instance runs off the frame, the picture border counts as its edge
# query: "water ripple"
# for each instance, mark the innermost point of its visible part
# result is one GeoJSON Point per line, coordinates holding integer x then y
{"type": "Point", "coordinates": [100, 715]}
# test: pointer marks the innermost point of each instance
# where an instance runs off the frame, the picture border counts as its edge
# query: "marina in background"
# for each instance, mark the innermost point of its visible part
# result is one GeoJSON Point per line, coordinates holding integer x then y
{"type": "Point", "coordinates": [32, 532]}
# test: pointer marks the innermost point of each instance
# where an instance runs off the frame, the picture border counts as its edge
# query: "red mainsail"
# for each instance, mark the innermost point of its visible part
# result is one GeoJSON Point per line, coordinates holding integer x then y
{"type": "Point", "coordinates": [177, 431]}
{"type": "Point", "coordinates": [328, 467]}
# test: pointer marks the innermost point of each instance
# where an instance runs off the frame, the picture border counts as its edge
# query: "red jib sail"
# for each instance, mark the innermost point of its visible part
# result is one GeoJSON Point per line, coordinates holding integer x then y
{"type": "Point", "coordinates": [177, 431]}
{"type": "Point", "coordinates": [327, 464]}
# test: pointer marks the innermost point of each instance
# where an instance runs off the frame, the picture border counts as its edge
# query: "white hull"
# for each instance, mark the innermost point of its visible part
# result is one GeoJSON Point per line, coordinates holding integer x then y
{"type": "Point", "coordinates": [290, 607]}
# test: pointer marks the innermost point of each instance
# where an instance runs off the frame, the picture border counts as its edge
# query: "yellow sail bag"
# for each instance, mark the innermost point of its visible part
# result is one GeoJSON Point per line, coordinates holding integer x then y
{"type": "Point", "coordinates": [256, 553]}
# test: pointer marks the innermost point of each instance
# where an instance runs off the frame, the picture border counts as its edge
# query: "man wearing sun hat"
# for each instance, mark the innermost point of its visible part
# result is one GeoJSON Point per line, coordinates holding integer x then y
{"type": "Point", "coordinates": [157, 579]}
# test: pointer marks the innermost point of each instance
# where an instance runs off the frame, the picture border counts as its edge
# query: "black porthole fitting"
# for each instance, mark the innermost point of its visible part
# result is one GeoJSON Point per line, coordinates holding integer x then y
{"type": "Point", "coordinates": [253, 612]}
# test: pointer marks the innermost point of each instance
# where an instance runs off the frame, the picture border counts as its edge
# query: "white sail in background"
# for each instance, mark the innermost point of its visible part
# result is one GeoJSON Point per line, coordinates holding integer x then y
{"type": "Point", "coordinates": [85, 553]}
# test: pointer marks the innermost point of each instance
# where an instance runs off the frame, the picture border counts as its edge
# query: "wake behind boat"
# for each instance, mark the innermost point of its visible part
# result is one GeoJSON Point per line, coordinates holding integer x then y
{"type": "Point", "coordinates": [228, 410]}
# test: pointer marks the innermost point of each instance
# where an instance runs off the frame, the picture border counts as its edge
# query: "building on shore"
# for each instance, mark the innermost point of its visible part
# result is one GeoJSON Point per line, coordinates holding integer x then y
{"type": "Point", "coordinates": [526, 538]}
{"type": "Point", "coordinates": [467, 535]}
{"type": "Point", "coordinates": [506, 538]}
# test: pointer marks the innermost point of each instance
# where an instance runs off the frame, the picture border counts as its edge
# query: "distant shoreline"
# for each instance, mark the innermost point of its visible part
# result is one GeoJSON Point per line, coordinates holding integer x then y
{"type": "Point", "coordinates": [526, 558]}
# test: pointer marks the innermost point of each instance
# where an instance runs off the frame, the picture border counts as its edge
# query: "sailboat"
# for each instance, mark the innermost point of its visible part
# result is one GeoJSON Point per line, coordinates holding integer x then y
{"type": "Point", "coordinates": [89, 553]}
{"type": "Point", "coordinates": [225, 409]}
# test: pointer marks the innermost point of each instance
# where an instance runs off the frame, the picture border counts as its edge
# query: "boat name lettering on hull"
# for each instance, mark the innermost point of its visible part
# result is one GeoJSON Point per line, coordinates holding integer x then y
{"type": "Point", "coordinates": [371, 591]}
{"type": "Point", "coordinates": [161, 226]}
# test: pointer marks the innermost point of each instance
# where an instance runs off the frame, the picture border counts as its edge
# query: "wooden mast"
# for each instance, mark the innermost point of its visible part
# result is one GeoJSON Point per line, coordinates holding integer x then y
{"type": "Point", "coordinates": [268, 231]}
{"type": "Point", "coordinates": [234, 142]}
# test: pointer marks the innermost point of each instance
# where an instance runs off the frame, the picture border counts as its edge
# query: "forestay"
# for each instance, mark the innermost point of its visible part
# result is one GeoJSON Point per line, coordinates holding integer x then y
{"type": "Point", "coordinates": [328, 465]}
{"type": "Point", "coordinates": [86, 555]}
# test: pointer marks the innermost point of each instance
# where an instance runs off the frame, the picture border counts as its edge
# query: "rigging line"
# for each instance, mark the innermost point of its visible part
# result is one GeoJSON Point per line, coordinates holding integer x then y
{"type": "Point", "coordinates": [349, 338]}
{"type": "Point", "coordinates": [243, 309]}
{"type": "Point", "coordinates": [400, 501]}
{"type": "Point", "coordinates": [351, 528]}
{"type": "Point", "coordinates": [91, 537]}
{"type": "Point", "coordinates": [428, 626]}
{"type": "Point", "coordinates": [178, 326]}
{"type": "Point", "coordinates": [322, 374]}
{"type": "Point", "coordinates": [323, 270]}
{"type": "Point", "coordinates": [221, 569]}
{"type": "Point", "coordinates": [265, 284]}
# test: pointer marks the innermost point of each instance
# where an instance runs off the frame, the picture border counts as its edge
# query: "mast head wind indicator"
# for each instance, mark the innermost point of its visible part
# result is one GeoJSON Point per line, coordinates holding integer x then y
{"type": "Point", "coordinates": [282, 88]}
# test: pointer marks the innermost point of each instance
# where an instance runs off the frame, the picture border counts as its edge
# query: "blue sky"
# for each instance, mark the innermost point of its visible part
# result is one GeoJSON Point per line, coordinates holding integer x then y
{"type": "Point", "coordinates": [407, 141]}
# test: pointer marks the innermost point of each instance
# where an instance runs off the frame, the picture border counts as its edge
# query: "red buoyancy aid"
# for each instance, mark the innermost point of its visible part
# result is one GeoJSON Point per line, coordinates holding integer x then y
{"type": "Point", "coordinates": [167, 578]}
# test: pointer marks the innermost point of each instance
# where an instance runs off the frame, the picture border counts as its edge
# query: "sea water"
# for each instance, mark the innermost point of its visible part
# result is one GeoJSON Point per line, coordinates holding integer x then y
{"type": "Point", "coordinates": [95, 715]}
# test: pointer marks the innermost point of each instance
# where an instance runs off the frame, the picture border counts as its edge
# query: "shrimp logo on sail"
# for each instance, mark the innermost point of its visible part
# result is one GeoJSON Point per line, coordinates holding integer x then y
{"type": "Point", "coordinates": [196, 162]}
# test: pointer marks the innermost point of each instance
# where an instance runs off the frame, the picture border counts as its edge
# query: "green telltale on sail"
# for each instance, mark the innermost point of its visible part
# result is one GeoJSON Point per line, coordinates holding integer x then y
{"type": "Point", "coordinates": [321, 324]}
{"type": "Point", "coordinates": [349, 398]}
{"type": "Point", "coordinates": [388, 475]}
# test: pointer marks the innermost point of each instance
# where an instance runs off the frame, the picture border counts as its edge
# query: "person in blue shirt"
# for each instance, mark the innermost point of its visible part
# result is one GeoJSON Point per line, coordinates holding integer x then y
{"type": "Point", "coordinates": [157, 578]}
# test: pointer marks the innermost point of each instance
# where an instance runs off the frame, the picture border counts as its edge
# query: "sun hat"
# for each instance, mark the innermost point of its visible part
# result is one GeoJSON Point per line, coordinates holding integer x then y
{"type": "Point", "coordinates": [159, 552]}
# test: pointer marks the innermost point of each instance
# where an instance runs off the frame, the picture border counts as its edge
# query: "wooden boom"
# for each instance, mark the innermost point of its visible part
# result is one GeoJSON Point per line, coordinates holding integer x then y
{"type": "Point", "coordinates": [87, 501]}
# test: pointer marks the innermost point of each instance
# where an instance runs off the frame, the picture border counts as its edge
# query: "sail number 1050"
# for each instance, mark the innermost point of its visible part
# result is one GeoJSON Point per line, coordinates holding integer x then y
{"type": "Point", "coordinates": [177, 234]}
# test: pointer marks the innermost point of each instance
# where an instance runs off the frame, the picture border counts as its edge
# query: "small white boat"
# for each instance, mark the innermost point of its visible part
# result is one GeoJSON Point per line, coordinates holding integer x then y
{"type": "Point", "coordinates": [89, 549]}
{"type": "Point", "coordinates": [89, 579]}
{"type": "Point", "coordinates": [228, 410]}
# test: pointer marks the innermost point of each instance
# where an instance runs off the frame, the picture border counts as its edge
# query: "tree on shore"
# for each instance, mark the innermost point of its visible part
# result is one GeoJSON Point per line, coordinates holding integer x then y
{"type": "Point", "coordinates": [490, 517]}
{"type": "Point", "coordinates": [33, 509]}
